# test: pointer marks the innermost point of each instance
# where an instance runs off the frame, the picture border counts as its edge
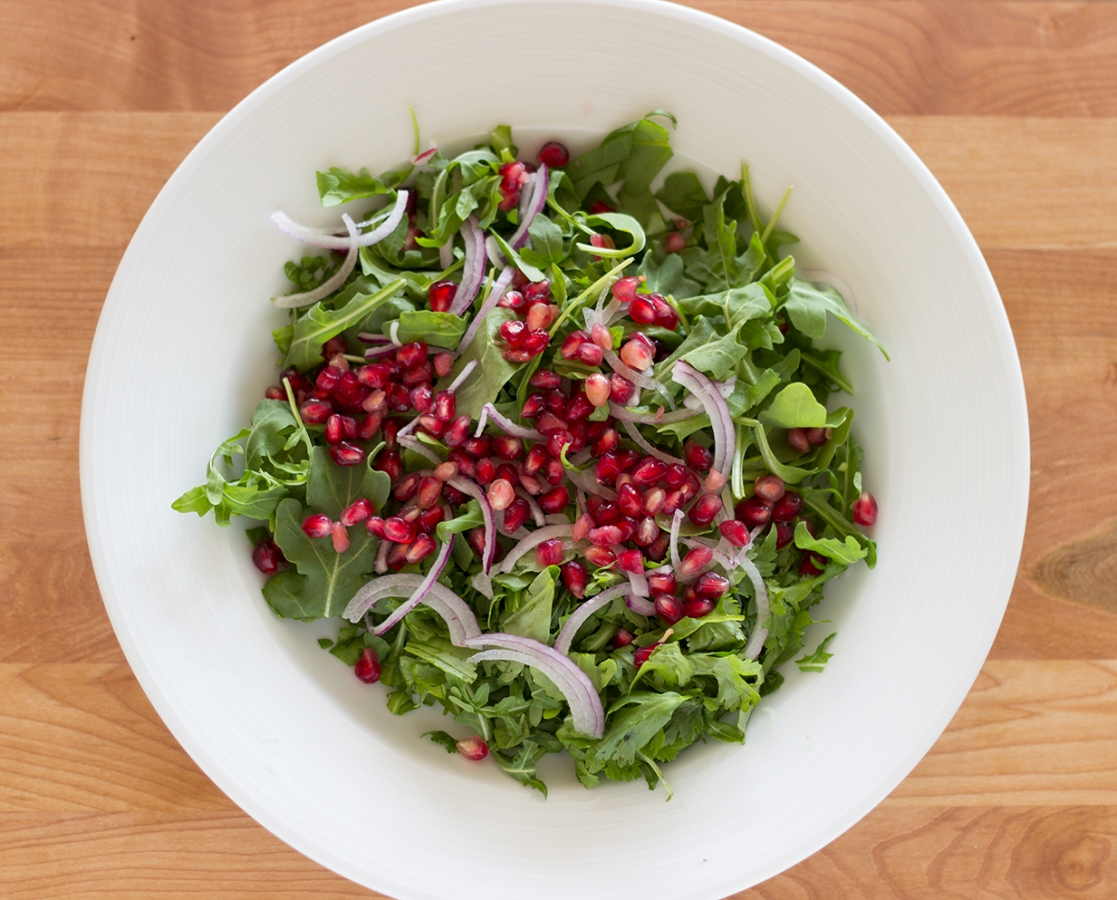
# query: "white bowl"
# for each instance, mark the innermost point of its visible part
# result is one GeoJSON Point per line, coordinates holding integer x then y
{"type": "Point", "coordinates": [183, 350]}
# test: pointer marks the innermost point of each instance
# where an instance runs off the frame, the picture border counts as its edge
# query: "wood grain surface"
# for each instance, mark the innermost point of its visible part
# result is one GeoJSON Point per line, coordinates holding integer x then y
{"type": "Point", "coordinates": [1013, 105]}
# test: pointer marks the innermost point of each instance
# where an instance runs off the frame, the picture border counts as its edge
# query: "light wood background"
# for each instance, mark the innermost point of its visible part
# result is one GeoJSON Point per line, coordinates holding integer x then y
{"type": "Point", "coordinates": [1013, 105]}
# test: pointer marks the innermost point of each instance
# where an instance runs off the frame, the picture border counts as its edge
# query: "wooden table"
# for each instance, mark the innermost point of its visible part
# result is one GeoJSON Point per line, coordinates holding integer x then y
{"type": "Point", "coordinates": [1013, 105]}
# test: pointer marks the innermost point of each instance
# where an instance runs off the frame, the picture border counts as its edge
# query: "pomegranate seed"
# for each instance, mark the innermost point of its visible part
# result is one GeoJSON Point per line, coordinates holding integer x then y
{"type": "Point", "coordinates": [511, 300]}
{"type": "Point", "coordinates": [507, 447]}
{"type": "Point", "coordinates": [327, 380]}
{"type": "Point", "coordinates": [582, 526]}
{"type": "Point", "coordinates": [538, 317]}
{"type": "Point", "coordinates": [812, 564]}
{"type": "Point", "coordinates": [549, 553]}
{"type": "Point", "coordinates": [399, 530]}
{"type": "Point", "coordinates": [578, 408]}
{"type": "Point", "coordinates": [639, 354]}
{"type": "Point", "coordinates": [662, 583]}
{"type": "Point", "coordinates": [389, 463]}
{"type": "Point", "coordinates": [649, 471]}
{"type": "Point", "coordinates": [443, 363]}
{"type": "Point", "coordinates": [531, 484]}
{"type": "Point", "coordinates": [629, 500]}
{"type": "Point", "coordinates": [411, 355]}
{"type": "Point", "coordinates": [535, 460]}
{"type": "Point", "coordinates": [554, 155]}
{"type": "Point", "coordinates": [601, 336]}
{"type": "Point", "coordinates": [631, 561]}
{"type": "Point", "coordinates": [818, 436]}
{"type": "Point", "coordinates": [575, 576]}
{"type": "Point", "coordinates": [410, 514]}
{"type": "Point", "coordinates": [356, 512]}
{"type": "Point", "coordinates": [501, 494]}
{"type": "Point", "coordinates": [675, 243]}
{"type": "Point", "coordinates": [473, 748]}
{"type": "Point", "coordinates": [511, 172]}
{"type": "Point", "coordinates": [665, 315]}
{"type": "Point", "coordinates": [556, 402]}
{"type": "Point", "coordinates": [696, 560]}
{"type": "Point", "coordinates": [674, 500]}
{"type": "Point", "coordinates": [711, 585]}
{"type": "Point", "coordinates": [375, 402]}
{"type": "Point", "coordinates": [397, 557]}
{"type": "Point", "coordinates": [407, 488]}
{"type": "Point", "coordinates": [578, 431]}
{"type": "Point", "coordinates": [532, 407]}
{"type": "Point", "coordinates": [573, 342]}
{"type": "Point", "coordinates": [430, 492]}
{"type": "Point", "coordinates": [735, 532]}
{"type": "Point", "coordinates": [705, 510]}
{"type": "Point", "coordinates": [267, 556]}
{"type": "Point", "coordinates": [334, 430]}
{"type": "Point", "coordinates": [374, 375]}
{"type": "Point", "coordinates": [296, 379]}
{"type": "Point", "coordinates": [508, 472]}
{"type": "Point", "coordinates": [399, 398]}
{"type": "Point", "coordinates": [441, 295]}
{"type": "Point", "coordinates": [478, 446]}
{"type": "Point", "coordinates": [453, 496]}
{"type": "Point", "coordinates": [346, 454]}
{"type": "Point", "coordinates": [797, 440]}
{"type": "Point", "coordinates": [419, 374]}
{"type": "Point", "coordinates": [754, 512]}
{"type": "Point", "coordinates": [643, 654]}
{"type": "Point", "coordinates": [516, 515]}
{"type": "Point", "coordinates": [538, 291]}
{"type": "Point", "coordinates": [605, 535]}
{"type": "Point", "coordinates": [419, 549]}
{"type": "Point", "coordinates": [865, 509]}
{"type": "Point", "coordinates": [429, 518]}
{"type": "Point", "coordinates": [544, 380]}
{"type": "Point", "coordinates": [536, 341]}
{"type": "Point", "coordinates": [784, 534]}
{"type": "Point", "coordinates": [368, 666]}
{"type": "Point", "coordinates": [669, 608]}
{"type": "Point", "coordinates": [769, 488]}
{"type": "Point", "coordinates": [654, 501]}
{"type": "Point", "coordinates": [508, 201]}
{"type": "Point", "coordinates": [340, 537]}
{"type": "Point", "coordinates": [548, 423]}
{"type": "Point", "coordinates": [622, 638]}
{"type": "Point", "coordinates": [464, 462]}
{"type": "Point", "coordinates": [675, 476]}
{"type": "Point", "coordinates": [597, 389]}
{"type": "Point", "coordinates": [513, 332]}
{"type": "Point", "coordinates": [714, 482]}
{"type": "Point", "coordinates": [555, 500]}
{"type": "Point", "coordinates": [432, 425]}
{"type": "Point", "coordinates": [422, 398]}
{"type": "Point", "coordinates": [349, 393]}
{"type": "Point", "coordinates": [517, 355]}
{"type": "Point", "coordinates": [458, 432]}
{"type": "Point", "coordinates": [375, 525]}
{"type": "Point", "coordinates": [445, 471]}
{"type": "Point", "coordinates": [558, 442]}
{"type": "Point", "coordinates": [334, 346]}
{"type": "Point", "coordinates": [621, 390]}
{"type": "Point", "coordinates": [609, 441]}
{"type": "Point", "coordinates": [624, 289]}
{"type": "Point", "coordinates": [599, 556]}
{"type": "Point", "coordinates": [647, 531]}
{"type": "Point", "coordinates": [485, 471]}
{"type": "Point", "coordinates": [608, 468]}
{"type": "Point", "coordinates": [642, 310]}
{"type": "Point", "coordinates": [476, 539]}
{"type": "Point", "coordinates": [788, 507]}
{"type": "Point", "coordinates": [316, 412]}
{"type": "Point", "coordinates": [275, 393]}
{"type": "Point", "coordinates": [698, 607]}
{"type": "Point", "coordinates": [657, 550]}
{"type": "Point", "coordinates": [697, 456]}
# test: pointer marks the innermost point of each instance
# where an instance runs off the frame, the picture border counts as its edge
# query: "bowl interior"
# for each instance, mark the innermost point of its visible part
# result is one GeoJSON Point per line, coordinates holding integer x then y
{"type": "Point", "coordinates": [183, 350]}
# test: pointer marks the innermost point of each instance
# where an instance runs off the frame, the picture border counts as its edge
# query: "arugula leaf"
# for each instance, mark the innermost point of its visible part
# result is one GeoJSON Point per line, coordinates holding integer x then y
{"type": "Point", "coordinates": [683, 193]}
{"type": "Point", "coordinates": [638, 719]}
{"type": "Point", "coordinates": [319, 324]}
{"type": "Point", "coordinates": [667, 277]}
{"type": "Point", "coordinates": [816, 662]}
{"type": "Point", "coordinates": [331, 488]}
{"type": "Point", "coordinates": [845, 553]}
{"type": "Point", "coordinates": [807, 305]}
{"type": "Point", "coordinates": [717, 358]}
{"type": "Point", "coordinates": [323, 580]}
{"type": "Point", "coordinates": [440, 329]}
{"type": "Point", "coordinates": [493, 371]}
{"type": "Point", "coordinates": [337, 186]}
{"type": "Point", "coordinates": [444, 740]}
{"type": "Point", "coordinates": [795, 407]}
{"type": "Point", "coordinates": [532, 619]}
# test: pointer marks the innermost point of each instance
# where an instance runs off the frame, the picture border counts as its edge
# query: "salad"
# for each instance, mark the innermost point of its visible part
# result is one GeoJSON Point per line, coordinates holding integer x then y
{"type": "Point", "coordinates": [556, 450]}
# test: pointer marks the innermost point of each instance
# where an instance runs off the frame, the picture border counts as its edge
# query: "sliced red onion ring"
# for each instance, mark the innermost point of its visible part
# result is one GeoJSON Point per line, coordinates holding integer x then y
{"type": "Point", "coordinates": [725, 435]}
{"type": "Point", "coordinates": [531, 207]}
{"type": "Point", "coordinates": [370, 338]}
{"type": "Point", "coordinates": [644, 445]}
{"type": "Point", "coordinates": [413, 444]}
{"type": "Point", "coordinates": [473, 490]}
{"type": "Point", "coordinates": [585, 705]}
{"type": "Point", "coordinates": [487, 307]}
{"type": "Point", "coordinates": [488, 411]}
{"type": "Point", "coordinates": [664, 418]}
{"type": "Point", "coordinates": [459, 618]}
{"type": "Point", "coordinates": [637, 581]}
{"type": "Point", "coordinates": [676, 524]}
{"type": "Point", "coordinates": [425, 155]}
{"type": "Point", "coordinates": [760, 589]}
{"type": "Point", "coordinates": [385, 350]}
{"type": "Point", "coordinates": [328, 239]}
{"type": "Point", "coordinates": [473, 272]}
{"type": "Point", "coordinates": [637, 378]}
{"type": "Point", "coordinates": [446, 255]}
{"type": "Point", "coordinates": [421, 591]}
{"type": "Point", "coordinates": [483, 584]}
{"type": "Point", "coordinates": [327, 287]}
{"type": "Point", "coordinates": [557, 519]}
{"type": "Point", "coordinates": [381, 564]}
{"type": "Point", "coordinates": [642, 606]}
{"type": "Point", "coordinates": [533, 540]}
{"type": "Point", "coordinates": [569, 630]}
{"type": "Point", "coordinates": [725, 388]}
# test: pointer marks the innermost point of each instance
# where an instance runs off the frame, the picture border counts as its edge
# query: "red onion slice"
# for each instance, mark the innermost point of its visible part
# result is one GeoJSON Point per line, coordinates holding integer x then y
{"type": "Point", "coordinates": [637, 581]}
{"type": "Point", "coordinates": [331, 284]}
{"type": "Point", "coordinates": [637, 378]}
{"type": "Point", "coordinates": [424, 156]}
{"type": "Point", "coordinates": [466, 371]}
{"type": "Point", "coordinates": [381, 564]}
{"type": "Point", "coordinates": [638, 439]}
{"type": "Point", "coordinates": [725, 388]}
{"type": "Point", "coordinates": [488, 411]}
{"type": "Point", "coordinates": [473, 490]}
{"type": "Point", "coordinates": [473, 272]}
{"type": "Point", "coordinates": [676, 524]}
{"type": "Point", "coordinates": [725, 435]}
{"type": "Point", "coordinates": [760, 589]}
{"type": "Point", "coordinates": [642, 606]}
{"type": "Point", "coordinates": [328, 239]}
{"type": "Point", "coordinates": [413, 444]}
{"type": "Point", "coordinates": [446, 255]}
{"type": "Point", "coordinates": [459, 618]}
{"type": "Point", "coordinates": [421, 591]}
{"type": "Point", "coordinates": [531, 207]}
{"type": "Point", "coordinates": [569, 630]}
{"type": "Point", "coordinates": [487, 307]}
{"type": "Point", "coordinates": [585, 705]}
{"type": "Point", "coordinates": [533, 540]}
